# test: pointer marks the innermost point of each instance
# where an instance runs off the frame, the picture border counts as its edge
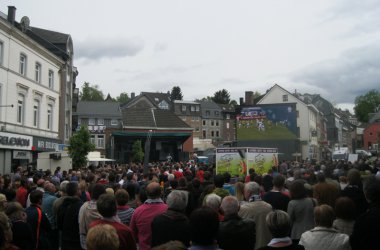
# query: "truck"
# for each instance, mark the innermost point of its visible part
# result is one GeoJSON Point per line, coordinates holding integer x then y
{"type": "Point", "coordinates": [52, 160]}
{"type": "Point", "coordinates": [340, 153]}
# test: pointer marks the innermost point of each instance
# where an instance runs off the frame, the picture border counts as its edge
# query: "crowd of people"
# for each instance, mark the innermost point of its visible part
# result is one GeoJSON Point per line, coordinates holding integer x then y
{"type": "Point", "coordinates": [169, 205]}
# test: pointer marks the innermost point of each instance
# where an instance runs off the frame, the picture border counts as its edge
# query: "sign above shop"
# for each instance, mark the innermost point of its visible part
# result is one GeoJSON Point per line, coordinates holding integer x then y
{"type": "Point", "coordinates": [45, 144]}
{"type": "Point", "coordinates": [21, 155]}
{"type": "Point", "coordinates": [15, 141]}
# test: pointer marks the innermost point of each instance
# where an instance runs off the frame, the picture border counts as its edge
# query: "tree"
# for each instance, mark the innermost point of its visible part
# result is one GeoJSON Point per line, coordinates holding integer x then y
{"type": "Point", "coordinates": [91, 93]}
{"type": "Point", "coordinates": [221, 97]}
{"type": "Point", "coordinates": [137, 152]}
{"type": "Point", "coordinates": [367, 103]}
{"type": "Point", "coordinates": [79, 147]}
{"type": "Point", "coordinates": [176, 93]}
{"type": "Point", "coordinates": [123, 97]}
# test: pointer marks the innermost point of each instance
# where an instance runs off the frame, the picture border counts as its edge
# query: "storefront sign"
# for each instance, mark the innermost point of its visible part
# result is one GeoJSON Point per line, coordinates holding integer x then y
{"type": "Point", "coordinates": [15, 141]}
{"type": "Point", "coordinates": [21, 155]}
{"type": "Point", "coordinates": [45, 144]}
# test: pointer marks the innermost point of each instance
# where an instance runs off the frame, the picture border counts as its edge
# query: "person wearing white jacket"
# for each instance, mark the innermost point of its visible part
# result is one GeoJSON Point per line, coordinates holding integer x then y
{"type": "Point", "coordinates": [324, 236]}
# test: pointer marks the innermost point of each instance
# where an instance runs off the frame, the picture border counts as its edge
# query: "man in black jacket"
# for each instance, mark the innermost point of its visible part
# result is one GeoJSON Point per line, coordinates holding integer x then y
{"type": "Point", "coordinates": [235, 232]}
{"type": "Point", "coordinates": [173, 224]}
{"type": "Point", "coordinates": [67, 218]}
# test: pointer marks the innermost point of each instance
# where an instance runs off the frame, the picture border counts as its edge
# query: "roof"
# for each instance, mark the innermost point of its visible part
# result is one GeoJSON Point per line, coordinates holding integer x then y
{"type": "Point", "coordinates": [186, 102]}
{"type": "Point", "coordinates": [154, 98]}
{"type": "Point", "coordinates": [210, 106]}
{"type": "Point", "coordinates": [151, 118]}
{"type": "Point", "coordinates": [101, 108]}
{"type": "Point", "coordinates": [375, 118]}
{"type": "Point", "coordinates": [227, 107]}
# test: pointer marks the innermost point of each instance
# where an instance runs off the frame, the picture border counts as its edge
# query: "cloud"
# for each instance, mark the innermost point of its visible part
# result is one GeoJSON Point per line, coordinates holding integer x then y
{"type": "Point", "coordinates": [342, 79]}
{"type": "Point", "coordinates": [158, 47]}
{"type": "Point", "coordinates": [97, 48]}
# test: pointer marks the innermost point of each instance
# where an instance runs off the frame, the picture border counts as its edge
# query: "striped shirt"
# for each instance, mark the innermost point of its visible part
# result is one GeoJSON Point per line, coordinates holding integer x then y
{"type": "Point", "coordinates": [125, 214]}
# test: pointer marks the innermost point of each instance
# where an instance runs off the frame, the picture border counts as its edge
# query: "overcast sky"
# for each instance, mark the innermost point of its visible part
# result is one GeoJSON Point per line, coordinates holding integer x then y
{"type": "Point", "coordinates": [327, 47]}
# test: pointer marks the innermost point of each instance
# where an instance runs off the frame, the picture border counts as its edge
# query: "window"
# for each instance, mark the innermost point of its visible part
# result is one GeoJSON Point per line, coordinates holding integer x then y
{"type": "Point", "coordinates": [38, 73]}
{"type": "Point", "coordinates": [204, 134]}
{"type": "Point", "coordinates": [114, 122]}
{"type": "Point", "coordinates": [285, 98]}
{"type": "Point", "coordinates": [197, 129]}
{"type": "Point", "coordinates": [217, 123]}
{"type": "Point", "coordinates": [23, 64]}
{"type": "Point", "coordinates": [20, 109]}
{"type": "Point", "coordinates": [51, 79]}
{"type": "Point", "coordinates": [228, 116]}
{"type": "Point", "coordinates": [227, 125]}
{"type": "Point", "coordinates": [91, 121]}
{"type": "Point", "coordinates": [163, 105]}
{"type": "Point", "coordinates": [217, 133]}
{"type": "Point", "coordinates": [192, 108]}
{"type": "Point", "coordinates": [212, 122]}
{"type": "Point", "coordinates": [216, 113]}
{"type": "Point", "coordinates": [212, 133]}
{"type": "Point", "coordinates": [100, 141]}
{"type": "Point", "coordinates": [36, 113]}
{"type": "Point", "coordinates": [204, 122]}
{"type": "Point", "coordinates": [1, 52]}
{"type": "Point", "coordinates": [50, 117]}
{"type": "Point", "coordinates": [92, 139]}
{"type": "Point", "coordinates": [100, 121]}
{"type": "Point", "coordinates": [197, 108]}
{"type": "Point", "coordinates": [207, 113]}
{"type": "Point", "coordinates": [183, 108]}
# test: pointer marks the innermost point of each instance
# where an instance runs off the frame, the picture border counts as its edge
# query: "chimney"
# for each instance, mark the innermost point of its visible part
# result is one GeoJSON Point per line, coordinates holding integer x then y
{"type": "Point", "coordinates": [248, 97]}
{"type": "Point", "coordinates": [11, 14]}
{"type": "Point", "coordinates": [133, 95]}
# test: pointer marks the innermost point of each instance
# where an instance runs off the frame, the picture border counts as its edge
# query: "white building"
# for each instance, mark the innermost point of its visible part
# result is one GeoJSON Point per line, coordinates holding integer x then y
{"type": "Point", "coordinates": [306, 120]}
{"type": "Point", "coordinates": [36, 82]}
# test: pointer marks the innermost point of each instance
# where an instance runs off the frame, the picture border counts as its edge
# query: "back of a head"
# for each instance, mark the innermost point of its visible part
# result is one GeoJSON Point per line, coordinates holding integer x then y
{"type": "Point", "coordinates": [177, 200]}
{"type": "Point", "coordinates": [106, 205]}
{"type": "Point", "coordinates": [324, 216]}
{"type": "Point", "coordinates": [121, 197]}
{"type": "Point", "coordinates": [321, 177]}
{"type": "Point", "coordinates": [153, 190]}
{"type": "Point", "coordinates": [102, 237]}
{"type": "Point", "coordinates": [372, 189]}
{"type": "Point", "coordinates": [72, 188]}
{"type": "Point", "coordinates": [227, 177]}
{"type": "Point", "coordinates": [345, 209]}
{"type": "Point", "coordinates": [14, 211]}
{"type": "Point", "coordinates": [218, 180]}
{"type": "Point", "coordinates": [252, 187]}
{"type": "Point", "coordinates": [171, 245]}
{"type": "Point", "coordinates": [279, 181]}
{"type": "Point", "coordinates": [204, 226]}
{"type": "Point", "coordinates": [62, 186]}
{"type": "Point", "coordinates": [36, 196]}
{"type": "Point", "coordinates": [278, 223]}
{"type": "Point", "coordinates": [354, 177]}
{"type": "Point", "coordinates": [297, 190]}
{"type": "Point", "coordinates": [230, 205]}
{"type": "Point", "coordinates": [213, 201]}
{"type": "Point", "coordinates": [97, 190]}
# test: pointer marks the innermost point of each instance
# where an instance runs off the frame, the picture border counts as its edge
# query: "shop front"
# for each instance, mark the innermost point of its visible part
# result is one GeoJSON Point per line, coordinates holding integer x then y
{"type": "Point", "coordinates": [15, 150]}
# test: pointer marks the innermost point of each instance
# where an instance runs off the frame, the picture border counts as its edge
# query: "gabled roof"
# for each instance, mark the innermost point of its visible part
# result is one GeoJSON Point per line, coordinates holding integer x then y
{"type": "Point", "coordinates": [154, 98]}
{"type": "Point", "coordinates": [210, 106]}
{"type": "Point", "coordinates": [284, 90]}
{"type": "Point", "coordinates": [375, 118]}
{"type": "Point", "coordinates": [152, 118]}
{"type": "Point", "coordinates": [101, 108]}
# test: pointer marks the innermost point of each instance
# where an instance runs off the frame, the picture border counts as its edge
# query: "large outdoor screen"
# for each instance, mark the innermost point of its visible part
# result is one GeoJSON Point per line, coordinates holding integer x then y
{"type": "Point", "coordinates": [267, 122]}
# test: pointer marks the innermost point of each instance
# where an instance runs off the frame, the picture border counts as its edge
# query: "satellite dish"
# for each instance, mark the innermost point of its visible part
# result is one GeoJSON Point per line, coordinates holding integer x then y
{"type": "Point", "coordinates": [25, 23]}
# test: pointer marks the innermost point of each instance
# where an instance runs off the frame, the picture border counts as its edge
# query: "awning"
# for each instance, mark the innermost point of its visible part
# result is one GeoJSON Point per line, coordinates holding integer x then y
{"type": "Point", "coordinates": [152, 134]}
{"type": "Point", "coordinates": [100, 159]}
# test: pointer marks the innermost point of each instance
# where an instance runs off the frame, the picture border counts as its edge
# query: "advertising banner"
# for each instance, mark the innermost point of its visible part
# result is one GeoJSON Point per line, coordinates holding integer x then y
{"type": "Point", "coordinates": [237, 161]}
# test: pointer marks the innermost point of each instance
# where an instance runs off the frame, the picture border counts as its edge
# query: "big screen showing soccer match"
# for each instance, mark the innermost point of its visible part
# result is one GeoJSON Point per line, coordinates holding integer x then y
{"type": "Point", "coordinates": [267, 122]}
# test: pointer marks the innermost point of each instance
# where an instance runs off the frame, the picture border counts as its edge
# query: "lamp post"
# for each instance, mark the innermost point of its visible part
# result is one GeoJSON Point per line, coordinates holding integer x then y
{"type": "Point", "coordinates": [147, 151]}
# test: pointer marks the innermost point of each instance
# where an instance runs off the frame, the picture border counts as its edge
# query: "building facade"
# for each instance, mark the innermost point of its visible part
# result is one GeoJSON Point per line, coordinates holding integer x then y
{"type": "Point", "coordinates": [190, 113]}
{"type": "Point", "coordinates": [31, 83]}
{"type": "Point", "coordinates": [212, 120]}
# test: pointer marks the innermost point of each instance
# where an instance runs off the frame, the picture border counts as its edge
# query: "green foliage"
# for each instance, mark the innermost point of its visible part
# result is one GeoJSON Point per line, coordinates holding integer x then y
{"type": "Point", "coordinates": [137, 152]}
{"type": "Point", "coordinates": [176, 93]}
{"type": "Point", "coordinates": [123, 97]}
{"type": "Point", "coordinates": [79, 147]}
{"type": "Point", "coordinates": [367, 103]}
{"type": "Point", "coordinates": [221, 97]}
{"type": "Point", "coordinates": [91, 93]}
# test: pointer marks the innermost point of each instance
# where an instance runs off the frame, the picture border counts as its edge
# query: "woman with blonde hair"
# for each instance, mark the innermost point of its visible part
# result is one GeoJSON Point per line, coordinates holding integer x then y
{"type": "Point", "coordinates": [102, 237]}
{"type": "Point", "coordinates": [239, 191]}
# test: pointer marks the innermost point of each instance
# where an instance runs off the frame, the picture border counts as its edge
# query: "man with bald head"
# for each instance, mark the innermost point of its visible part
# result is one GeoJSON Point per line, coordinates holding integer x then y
{"type": "Point", "coordinates": [234, 231]}
{"type": "Point", "coordinates": [143, 216]}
